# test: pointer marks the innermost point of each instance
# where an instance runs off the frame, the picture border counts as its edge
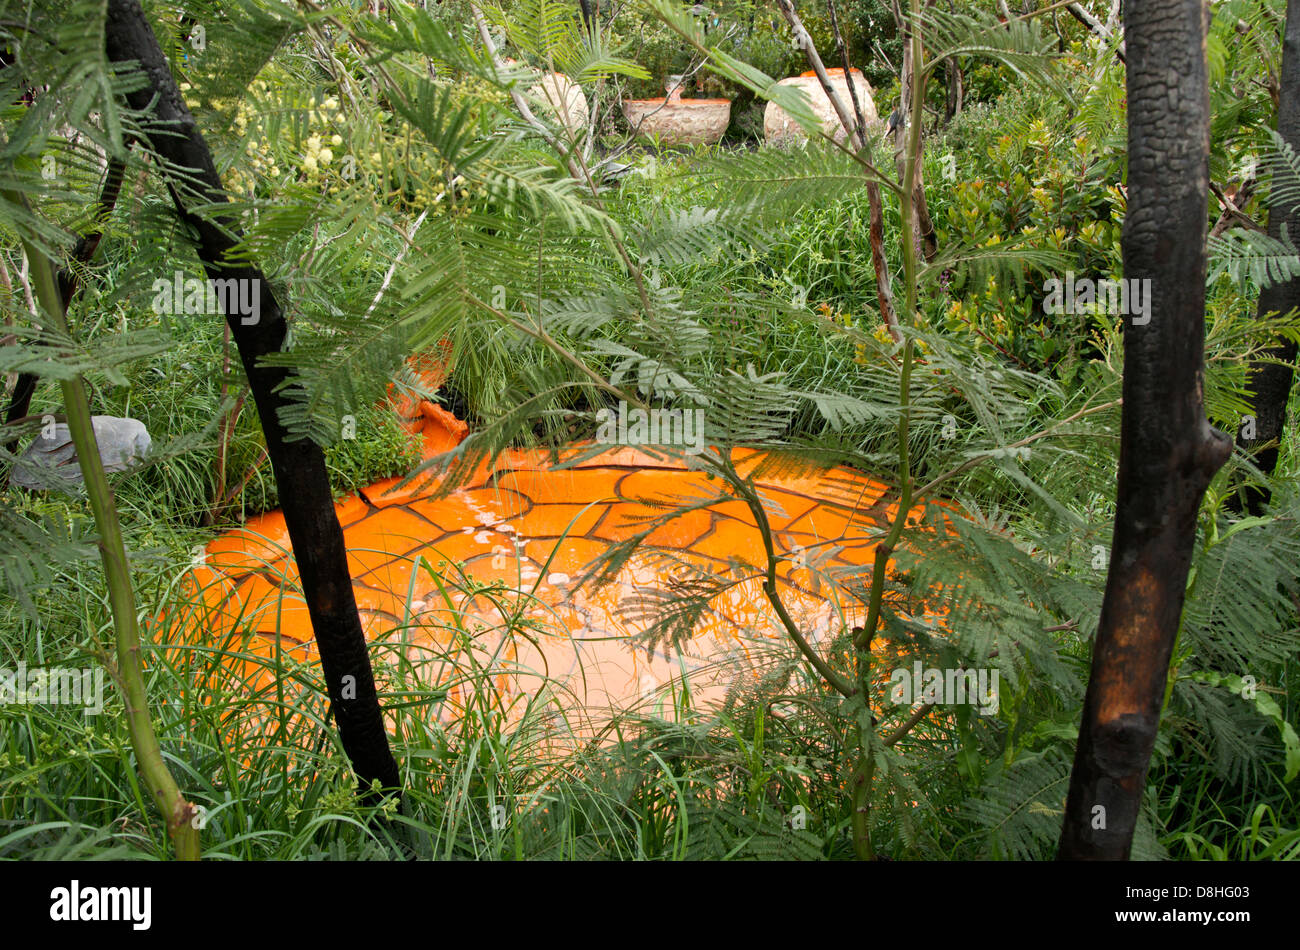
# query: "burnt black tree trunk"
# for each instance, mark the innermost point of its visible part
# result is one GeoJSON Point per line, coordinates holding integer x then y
{"type": "Point", "coordinates": [1269, 381]}
{"type": "Point", "coordinates": [1168, 450]}
{"type": "Point", "coordinates": [588, 18]}
{"type": "Point", "coordinates": [299, 465]}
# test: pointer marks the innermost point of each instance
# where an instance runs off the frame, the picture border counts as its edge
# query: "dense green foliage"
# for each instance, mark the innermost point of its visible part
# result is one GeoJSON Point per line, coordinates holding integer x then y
{"type": "Point", "coordinates": [394, 196]}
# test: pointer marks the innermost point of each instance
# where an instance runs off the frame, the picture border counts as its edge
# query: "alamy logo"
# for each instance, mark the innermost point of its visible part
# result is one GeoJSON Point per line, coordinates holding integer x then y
{"type": "Point", "coordinates": [102, 903]}
{"type": "Point", "coordinates": [240, 297]}
{"type": "Point", "coordinates": [952, 687]}
{"type": "Point", "coordinates": [1126, 296]}
{"type": "Point", "coordinates": [53, 686]}
{"type": "Point", "coordinates": [676, 427]}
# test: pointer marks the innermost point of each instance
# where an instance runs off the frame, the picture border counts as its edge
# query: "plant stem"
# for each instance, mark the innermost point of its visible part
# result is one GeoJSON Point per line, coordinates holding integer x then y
{"type": "Point", "coordinates": [166, 795]}
{"type": "Point", "coordinates": [750, 496]}
{"type": "Point", "coordinates": [876, 227]}
{"type": "Point", "coordinates": [864, 770]}
{"type": "Point", "coordinates": [886, 547]}
{"type": "Point", "coordinates": [21, 400]}
{"type": "Point", "coordinates": [864, 767]}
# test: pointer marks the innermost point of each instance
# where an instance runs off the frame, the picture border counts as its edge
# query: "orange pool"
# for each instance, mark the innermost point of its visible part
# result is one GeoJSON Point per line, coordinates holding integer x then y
{"type": "Point", "coordinates": [424, 566]}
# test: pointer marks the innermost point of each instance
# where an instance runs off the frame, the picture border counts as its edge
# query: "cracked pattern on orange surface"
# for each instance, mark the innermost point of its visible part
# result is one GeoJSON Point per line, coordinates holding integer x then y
{"type": "Point", "coordinates": [416, 559]}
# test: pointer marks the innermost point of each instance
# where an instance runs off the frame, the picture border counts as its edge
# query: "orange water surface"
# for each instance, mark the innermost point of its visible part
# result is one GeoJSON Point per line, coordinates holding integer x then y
{"type": "Point", "coordinates": [419, 561]}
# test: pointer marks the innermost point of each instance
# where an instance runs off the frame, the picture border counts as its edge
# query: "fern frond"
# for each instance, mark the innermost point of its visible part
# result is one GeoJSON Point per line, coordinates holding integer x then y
{"type": "Point", "coordinates": [1020, 806]}
{"type": "Point", "coordinates": [1021, 45]}
{"type": "Point", "coordinates": [1251, 256]}
{"type": "Point", "coordinates": [1284, 165]}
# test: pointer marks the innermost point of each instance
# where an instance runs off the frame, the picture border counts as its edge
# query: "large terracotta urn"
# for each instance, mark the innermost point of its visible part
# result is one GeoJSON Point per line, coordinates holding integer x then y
{"type": "Point", "coordinates": [677, 121]}
{"type": "Point", "coordinates": [560, 98]}
{"type": "Point", "coordinates": [778, 126]}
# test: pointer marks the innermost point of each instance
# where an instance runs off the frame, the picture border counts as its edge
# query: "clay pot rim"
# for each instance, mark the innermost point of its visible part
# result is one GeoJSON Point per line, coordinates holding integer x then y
{"type": "Point", "coordinates": [834, 71]}
{"type": "Point", "coordinates": [679, 102]}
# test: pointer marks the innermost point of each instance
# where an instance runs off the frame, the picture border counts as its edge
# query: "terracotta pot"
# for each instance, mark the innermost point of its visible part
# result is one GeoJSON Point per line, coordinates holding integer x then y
{"type": "Point", "coordinates": [779, 128]}
{"type": "Point", "coordinates": [677, 121]}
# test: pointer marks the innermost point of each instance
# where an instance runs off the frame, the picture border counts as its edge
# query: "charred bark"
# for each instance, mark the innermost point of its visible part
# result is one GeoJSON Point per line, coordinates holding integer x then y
{"type": "Point", "coordinates": [299, 465]}
{"type": "Point", "coordinates": [588, 18]}
{"type": "Point", "coordinates": [1270, 379]}
{"type": "Point", "coordinates": [1168, 450]}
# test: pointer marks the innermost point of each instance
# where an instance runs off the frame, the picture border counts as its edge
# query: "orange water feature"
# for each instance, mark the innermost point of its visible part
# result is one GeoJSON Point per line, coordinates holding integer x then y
{"type": "Point", "coordinates": [415, 557]}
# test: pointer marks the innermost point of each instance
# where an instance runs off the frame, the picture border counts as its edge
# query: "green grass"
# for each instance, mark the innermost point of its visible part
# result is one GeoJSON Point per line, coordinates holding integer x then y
{"type": "Point", "coordinates": [515, 775]}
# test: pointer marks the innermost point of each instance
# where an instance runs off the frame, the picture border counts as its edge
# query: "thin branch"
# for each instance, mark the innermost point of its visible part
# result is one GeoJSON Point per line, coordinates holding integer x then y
{"type": "Point", "coordinates": [876, 216]}
{"type": "Point", "coordinates": [854, 154]}
{"type": "Point", "coordinates": [577, 168]}
{"type": "Point", "coordinates": [408, 238]}
{"type": "Point", "coordinates": [855, 131]}
{"type": "Point", "coordinates": [921, 712]}
{"type": "Point", "coordinates": [848, 72]}
{"type": "Point", "coordinates": [1232, 211]}
{"type": "Point", "coordinates": [1091, 22]}
{"type": "Point", "coordinates": [750, 497]}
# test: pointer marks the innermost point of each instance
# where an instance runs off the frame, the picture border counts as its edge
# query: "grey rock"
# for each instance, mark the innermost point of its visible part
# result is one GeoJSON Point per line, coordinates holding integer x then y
{"type": "Point", "coordinates": [52, 462]}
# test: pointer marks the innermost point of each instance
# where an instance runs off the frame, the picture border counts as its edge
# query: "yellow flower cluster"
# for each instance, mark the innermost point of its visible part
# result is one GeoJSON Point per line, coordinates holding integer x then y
{"type": "Point", "coordinates": [258, 152]}
{"type": "Point", "coordinates": [318, 155]}
{"type": "Point", "coordinates": [835, 316]}
{"type": "Point", "coordinates": [330, 157]}
{"type": "Point", "coordinates": [960, 312]}
{"type": "Point", "coordinates": [882, 335]}
{"type": "Point", "coordinates": [261, 161]}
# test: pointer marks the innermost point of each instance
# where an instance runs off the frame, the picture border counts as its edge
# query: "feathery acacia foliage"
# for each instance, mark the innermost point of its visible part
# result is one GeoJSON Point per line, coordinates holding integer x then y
{"type": "Point", "coordinates": [443, 217]}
